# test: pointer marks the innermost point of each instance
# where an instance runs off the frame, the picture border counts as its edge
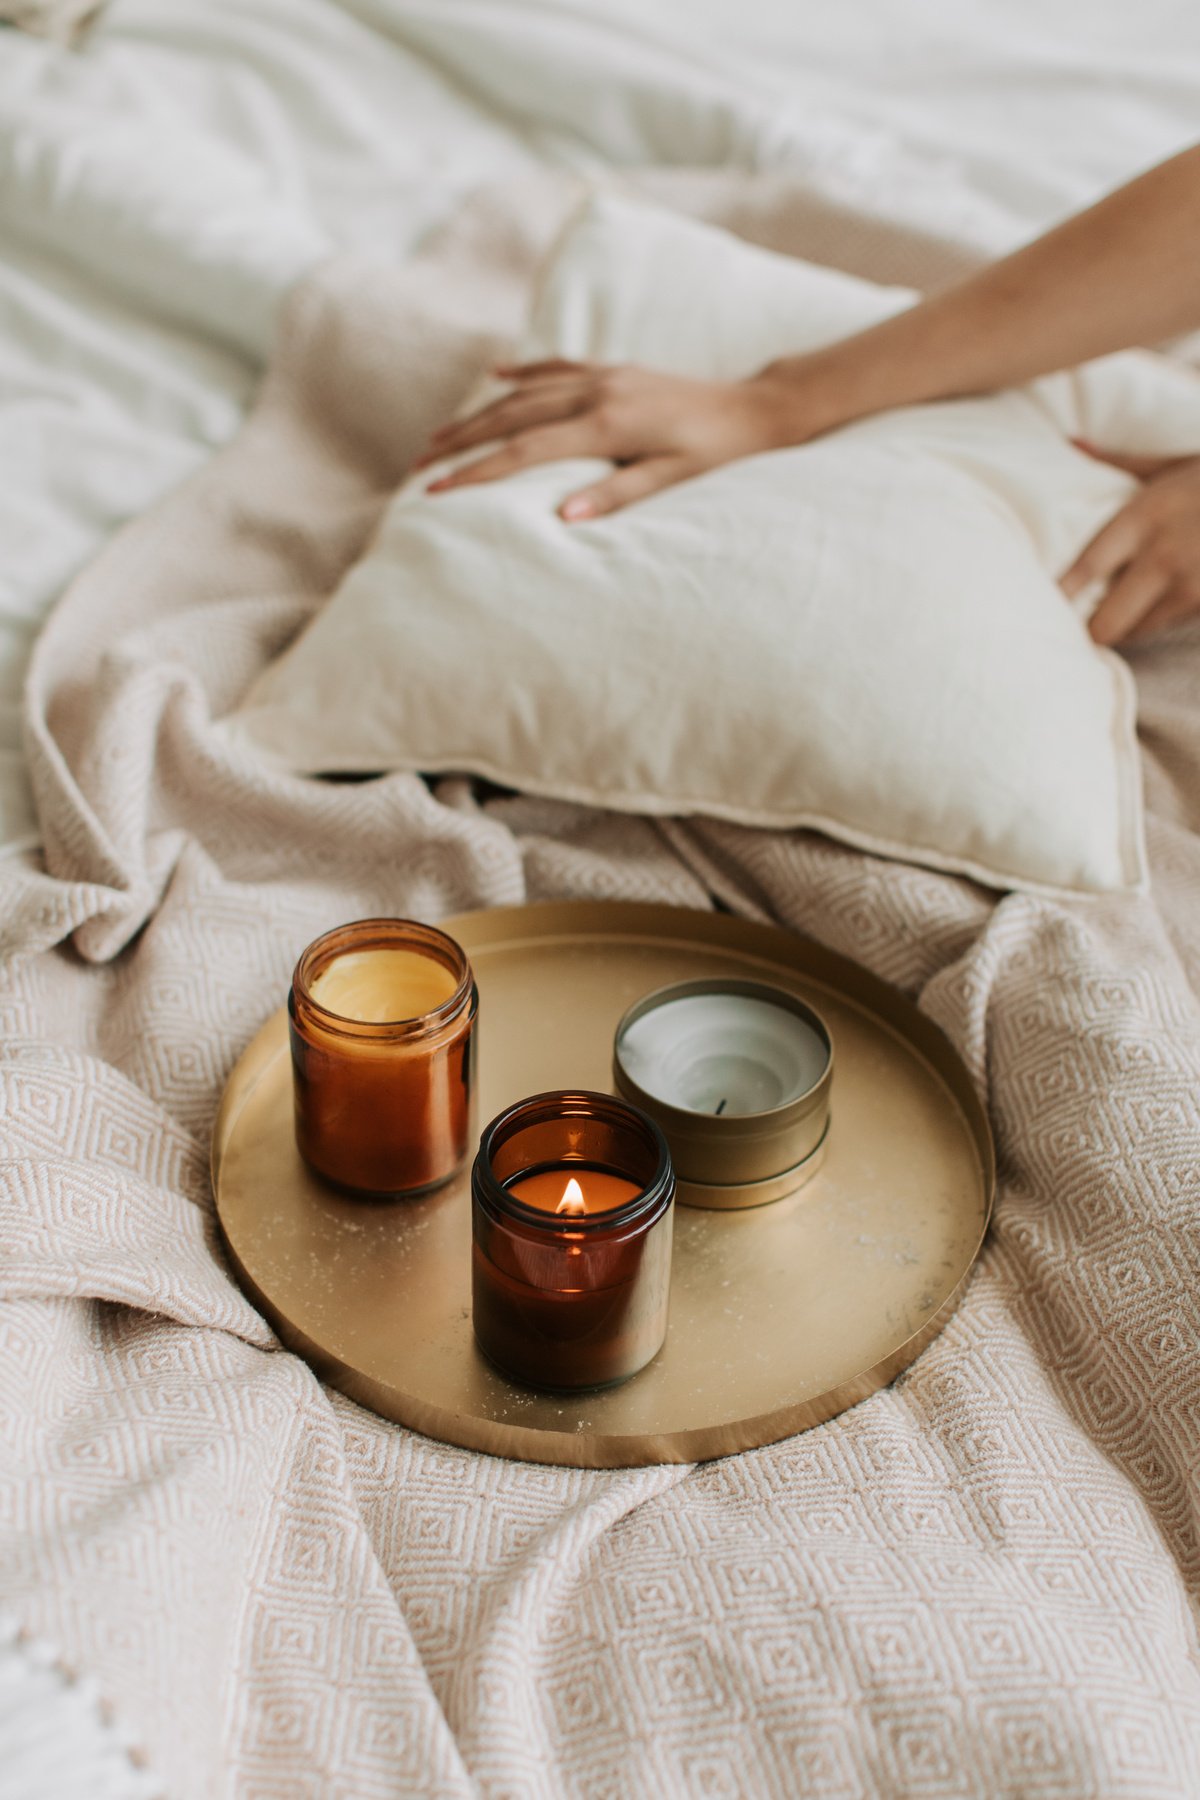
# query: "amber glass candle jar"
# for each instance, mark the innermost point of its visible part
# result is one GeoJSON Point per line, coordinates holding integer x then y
{"type": "Point", "coordinates": [382, 1019]}
{"type": "Point", "coordinates": [572, 1201]}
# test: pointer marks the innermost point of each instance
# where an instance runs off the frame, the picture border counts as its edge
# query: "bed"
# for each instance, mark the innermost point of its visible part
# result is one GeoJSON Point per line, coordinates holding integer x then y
{"type": "Point", "coordinates": [982, 1581]}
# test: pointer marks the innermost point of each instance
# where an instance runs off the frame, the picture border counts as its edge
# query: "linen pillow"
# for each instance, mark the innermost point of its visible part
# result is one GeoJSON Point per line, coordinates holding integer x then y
{"type": "Point", "coordinates": [862, 635]}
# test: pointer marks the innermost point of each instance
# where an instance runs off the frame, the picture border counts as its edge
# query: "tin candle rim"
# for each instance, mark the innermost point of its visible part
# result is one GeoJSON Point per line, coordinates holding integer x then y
{"type": "Point", "coordinates": [380, 933]}
{"type": "Point", "coordinates": [692, 1123]}
{"type": "Point", "coordinates": [566, 1103]}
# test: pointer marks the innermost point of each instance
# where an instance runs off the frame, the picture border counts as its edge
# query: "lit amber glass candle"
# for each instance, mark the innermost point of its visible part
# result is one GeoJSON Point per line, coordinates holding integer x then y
{"type": "Point", "coordinates": [573, 1196]}
{"type": "Point", "coordinates": [382, 1017]}
{"type": "Point", "coordinates": [572, 1208]}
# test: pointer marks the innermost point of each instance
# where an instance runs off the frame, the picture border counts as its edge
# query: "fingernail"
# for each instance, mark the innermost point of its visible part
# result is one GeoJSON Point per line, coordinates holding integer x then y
{"type": "Point", "coordinates": [578, 508]}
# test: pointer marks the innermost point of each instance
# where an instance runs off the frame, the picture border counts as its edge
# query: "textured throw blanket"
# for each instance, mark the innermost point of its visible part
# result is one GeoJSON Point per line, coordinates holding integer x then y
{"type": "Point", "coordinates": [982, 1581]}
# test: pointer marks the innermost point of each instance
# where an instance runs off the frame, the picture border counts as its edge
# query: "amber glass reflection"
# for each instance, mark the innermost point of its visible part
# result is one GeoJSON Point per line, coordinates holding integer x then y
{"type": "Point", "coordinates": [383, 1105]}
{"type": "Point", "coordinates": [560, 1299]}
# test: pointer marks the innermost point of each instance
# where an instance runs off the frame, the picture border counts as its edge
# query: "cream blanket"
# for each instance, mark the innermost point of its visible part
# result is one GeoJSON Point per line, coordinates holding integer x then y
{"type": "Point", "coordinates": [983, 1581]}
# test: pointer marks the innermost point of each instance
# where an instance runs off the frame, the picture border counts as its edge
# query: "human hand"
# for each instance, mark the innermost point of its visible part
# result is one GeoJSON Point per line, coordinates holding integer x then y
{"type": "Point", "coordinates": [1148, 554]}
{"type": "Point", "coordinates": [660, 429]}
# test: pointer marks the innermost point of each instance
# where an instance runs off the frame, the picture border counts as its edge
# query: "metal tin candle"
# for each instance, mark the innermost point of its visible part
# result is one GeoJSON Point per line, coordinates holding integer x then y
{"type": "Point", "coordinates": [381, 1018]}
{"type": "Point", "coordinates": [572, 1199]}
{"type": "Point", "coordinates": [738, 1075]}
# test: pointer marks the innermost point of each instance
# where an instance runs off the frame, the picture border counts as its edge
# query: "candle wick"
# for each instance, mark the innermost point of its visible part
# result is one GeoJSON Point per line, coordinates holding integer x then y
{"type": "Point", "coordinates": [722, 1106]}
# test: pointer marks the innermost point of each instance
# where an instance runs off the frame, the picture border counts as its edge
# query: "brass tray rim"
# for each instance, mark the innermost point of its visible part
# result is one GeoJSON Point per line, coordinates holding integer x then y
{"type": "Point", "coordinates": [780, 946]}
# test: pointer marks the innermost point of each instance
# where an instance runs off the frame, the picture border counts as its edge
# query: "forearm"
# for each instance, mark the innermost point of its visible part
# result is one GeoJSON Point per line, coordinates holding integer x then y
{"type": "Point", "coordinates": [1125, 272]}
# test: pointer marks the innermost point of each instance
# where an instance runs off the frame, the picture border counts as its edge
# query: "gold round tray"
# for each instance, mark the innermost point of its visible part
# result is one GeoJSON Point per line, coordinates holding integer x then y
{"type": "Point", "coordinates": [781, 1316]}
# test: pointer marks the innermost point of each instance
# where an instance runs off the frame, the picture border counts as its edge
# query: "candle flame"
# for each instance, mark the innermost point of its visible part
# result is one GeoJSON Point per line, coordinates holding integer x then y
{"type": "Point", "coordinates": [572, 1202]}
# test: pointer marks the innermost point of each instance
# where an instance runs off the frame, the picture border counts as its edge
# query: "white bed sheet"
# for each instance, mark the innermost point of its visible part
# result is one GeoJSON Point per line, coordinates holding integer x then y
{"type": "Point", "coordinates": [162, 188]}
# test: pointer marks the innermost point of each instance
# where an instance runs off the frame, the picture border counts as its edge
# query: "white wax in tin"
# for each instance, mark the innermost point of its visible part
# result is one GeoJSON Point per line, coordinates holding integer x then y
{"type": "Point", "coordinates": [723, 1053]}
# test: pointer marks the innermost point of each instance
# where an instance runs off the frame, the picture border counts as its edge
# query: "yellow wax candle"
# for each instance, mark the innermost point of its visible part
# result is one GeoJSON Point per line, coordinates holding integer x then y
{"type": "Point", "coordinates": [379, 987]}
